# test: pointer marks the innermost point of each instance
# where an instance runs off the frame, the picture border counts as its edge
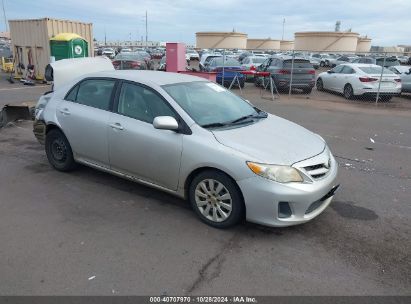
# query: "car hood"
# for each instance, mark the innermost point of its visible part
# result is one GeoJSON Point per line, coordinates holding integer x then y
{"type": "Point", "coordinates": [272, 140]}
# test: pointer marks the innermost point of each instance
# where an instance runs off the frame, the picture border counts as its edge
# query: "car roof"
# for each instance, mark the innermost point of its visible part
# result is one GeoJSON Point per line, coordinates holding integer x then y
{"type": "Point", "coordinates": [155, 77]}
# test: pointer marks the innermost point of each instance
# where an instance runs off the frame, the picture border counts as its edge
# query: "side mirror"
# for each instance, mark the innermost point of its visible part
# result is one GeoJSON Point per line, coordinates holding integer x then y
{"type": "Point", "coordinates": [330, 72]}
{"type": "Point", "coordinates": [165, 123]}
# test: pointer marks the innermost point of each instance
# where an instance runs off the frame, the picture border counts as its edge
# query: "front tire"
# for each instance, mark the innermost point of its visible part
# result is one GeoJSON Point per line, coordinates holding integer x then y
{"type": "Point", "coordinates": [216, 199]}
{"type": "Point", "coordinates": [58, 151]}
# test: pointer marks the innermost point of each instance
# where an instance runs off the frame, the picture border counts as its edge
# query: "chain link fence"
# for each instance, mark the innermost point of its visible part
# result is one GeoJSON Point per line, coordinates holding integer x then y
{"type": "Point", "coordinates": [371, 77]}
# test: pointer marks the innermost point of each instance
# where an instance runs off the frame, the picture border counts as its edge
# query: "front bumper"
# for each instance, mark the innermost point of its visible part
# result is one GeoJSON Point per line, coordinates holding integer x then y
{"type": "Point", "coordinates": [262, 198]}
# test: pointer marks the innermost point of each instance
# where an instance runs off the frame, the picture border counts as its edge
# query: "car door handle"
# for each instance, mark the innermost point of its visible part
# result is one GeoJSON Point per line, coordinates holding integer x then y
{"type": "Point", "coordinates": [117, 126]}
{"type": "Point", "coordinates": [65, 111]}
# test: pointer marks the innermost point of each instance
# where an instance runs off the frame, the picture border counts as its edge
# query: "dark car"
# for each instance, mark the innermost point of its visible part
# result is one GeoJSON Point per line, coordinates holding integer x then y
{"type": "Point", "coordinates": [147, 58]}
{"type": "Point", "coordinates": [226, 69]}
{"type": "Point", "coordinates": [389, 61]}
{"type": "Point", "coordinates": [280, 68]}
{"type": "Point", "coordinates": [129, 61]}
{"type": "Point", "coordinates": [367, 60]}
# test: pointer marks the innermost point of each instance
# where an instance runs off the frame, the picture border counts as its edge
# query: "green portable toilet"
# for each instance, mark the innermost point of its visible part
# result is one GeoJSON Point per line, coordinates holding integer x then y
{"type": "Point", "coordinates": [68, 45]}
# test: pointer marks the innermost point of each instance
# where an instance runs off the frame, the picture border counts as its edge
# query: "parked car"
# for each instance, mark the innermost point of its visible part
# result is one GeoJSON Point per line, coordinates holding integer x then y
{"type": "Point", "coordinates": [109, 52]}
{"type": "Point", "coordinates": [387, 62]}
{"type": "Point", "coordinates": [251, 63]}
{"type": "Point", "coordinates": [226, 69]}
{"type": "Point", "coordinates": [367, 60]}
{"type": "Point", "coordinates": [192, 55]}
{"type": "Point", "coordinates": [324, 59]}
{"type": "Point", "coordinates": [403, 59]}
{"type": "Point", "coordinates": [360, 80]}
{"type": "Point", "coordinates": [205, 60]}
{"type": "Point", "coordinates": [129, 61]}
{"type": "Point", "coordinates": [126, 50]}
{"type": "Point", "coordinates": [192, 138]}
{"type": "Point", "coordinates": [162, 66]}
{"type": "Point", "coordinates": [405, 74]}
{"type": "Point", "coordinates": [280, 69]}
{"type": "Point", "coordinates": [147, 57]}
{"type": "Point", "coordinates": [341, 60]}
{"type": "Point", "coordinates": [244, 55]}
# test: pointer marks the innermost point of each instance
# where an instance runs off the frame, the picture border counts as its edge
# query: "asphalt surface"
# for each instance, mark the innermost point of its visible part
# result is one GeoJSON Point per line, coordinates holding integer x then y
{"type": "Point", "coordinates": [90, 233]}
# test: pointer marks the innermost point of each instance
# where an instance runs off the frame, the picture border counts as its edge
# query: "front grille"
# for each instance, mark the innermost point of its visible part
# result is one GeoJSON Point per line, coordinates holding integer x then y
{"type": "Point", "coordinates": [317, 171]}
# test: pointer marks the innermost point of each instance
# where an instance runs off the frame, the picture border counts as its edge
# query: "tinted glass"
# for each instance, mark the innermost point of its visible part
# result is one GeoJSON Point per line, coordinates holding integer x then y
{"type": "Point", "coordinates": [257, 59]}
{"type": "Point", "coordinates": [95, 93]}
{"type": "Point", "coordinates": [298, 64]}
{"type": "Point", "coordinates": [227, 62]}
{"type": "Point", "coordinates": [129, 56]}
{"type": "Point", "coordinates": [347, 70]}
{"type": "Point", "coordinates": [207, 102]}
{"type": "Point", "coordinates": [71, 96]}
{"type": "Point", "coordinates": [141, 103]}
{"type": "Point", "coordinates": [338, 68]}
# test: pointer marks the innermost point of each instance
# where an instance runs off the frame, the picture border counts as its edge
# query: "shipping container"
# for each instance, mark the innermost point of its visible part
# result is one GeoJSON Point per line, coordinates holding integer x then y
{"type": "Point", "coordinates": [30, 41]}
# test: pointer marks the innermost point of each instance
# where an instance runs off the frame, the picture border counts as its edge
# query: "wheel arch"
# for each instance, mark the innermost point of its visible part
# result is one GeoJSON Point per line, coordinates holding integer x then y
{"type": "Point", "coordinates": [197, 171]}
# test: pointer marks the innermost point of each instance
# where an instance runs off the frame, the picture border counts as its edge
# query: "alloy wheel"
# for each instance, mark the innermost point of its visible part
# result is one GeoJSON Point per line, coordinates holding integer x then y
{"type": "Point", "coordinates": [213, 200]}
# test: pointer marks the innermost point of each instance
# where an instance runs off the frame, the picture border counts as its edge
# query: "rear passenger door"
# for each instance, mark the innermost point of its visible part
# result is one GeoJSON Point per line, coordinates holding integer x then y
{"type": "Point", "coordinates": [83, 116]}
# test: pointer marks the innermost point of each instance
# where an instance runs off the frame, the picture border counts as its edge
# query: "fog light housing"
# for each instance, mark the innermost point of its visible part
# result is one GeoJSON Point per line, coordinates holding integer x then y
{"type": "Point", "coordinates": [284, 210]}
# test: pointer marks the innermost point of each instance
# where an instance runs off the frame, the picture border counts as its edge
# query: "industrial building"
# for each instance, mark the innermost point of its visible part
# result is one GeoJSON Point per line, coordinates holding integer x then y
{"type": "Point", "coordinates": [223, 40]}
{"type": "Point", "coordinates": [30, 40]}
{"type": "Point", "coordinates": [287, 45]}
{"type": "Point", "coordinates": [263, 44]}
{"type": "Point", "coordinates": [326, 41]}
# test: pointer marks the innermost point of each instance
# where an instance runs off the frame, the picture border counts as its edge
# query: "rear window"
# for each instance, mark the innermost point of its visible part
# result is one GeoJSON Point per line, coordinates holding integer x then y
{"type": "Point", "coordinates": [227, 62]}
{"type": "Point", "coordinates": [298, 64]}
{"type": "Point", "coordinates": [375, 70]}
{"type": "Point", "coordinates": [258, 59]}
{"type": "Point", "coordinates": [388, 61]}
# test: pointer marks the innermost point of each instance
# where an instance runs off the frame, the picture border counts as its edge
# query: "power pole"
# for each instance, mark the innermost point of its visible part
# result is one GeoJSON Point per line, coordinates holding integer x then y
{"type": "Point", "coordinates": [5, 18]}
{"type": "Point", "coordinates": [146, 32]}
{"type": "Point", "coordinates": [282, 38]}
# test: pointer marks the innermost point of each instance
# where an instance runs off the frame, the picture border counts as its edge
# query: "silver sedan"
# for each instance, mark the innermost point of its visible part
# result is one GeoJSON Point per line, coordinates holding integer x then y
{"type": "Point", "coordinates": [192, 138]}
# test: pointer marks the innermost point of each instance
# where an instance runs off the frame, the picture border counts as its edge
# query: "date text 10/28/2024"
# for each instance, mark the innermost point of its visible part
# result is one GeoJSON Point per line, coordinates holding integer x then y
{"type": "Point", "coordinates": [202, 299]}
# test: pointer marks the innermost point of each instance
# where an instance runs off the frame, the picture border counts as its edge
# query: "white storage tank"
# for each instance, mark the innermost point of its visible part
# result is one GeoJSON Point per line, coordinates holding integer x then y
{"type": "Point", "coordinates": [221, 40]}
{"type": "Point", "coordinates": [363, 44]}
{"type": "Point", "coordinates": [263, 44]}
{"type": "Point", "coordinates": [287, 45]}
{"type": "Point", "coordinates": [326, 41]}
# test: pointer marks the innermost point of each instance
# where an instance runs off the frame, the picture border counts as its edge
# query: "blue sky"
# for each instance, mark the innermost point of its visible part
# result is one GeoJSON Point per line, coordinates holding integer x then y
{"type": "Point", "coordinates": [387, 22]}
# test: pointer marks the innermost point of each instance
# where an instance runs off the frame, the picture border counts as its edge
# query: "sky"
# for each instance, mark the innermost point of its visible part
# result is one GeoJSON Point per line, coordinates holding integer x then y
{"type": "Point", "coordinates": [387, 22]}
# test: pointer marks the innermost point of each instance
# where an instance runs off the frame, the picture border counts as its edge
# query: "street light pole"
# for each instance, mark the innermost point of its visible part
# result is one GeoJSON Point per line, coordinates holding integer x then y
{"type": "Point", "coordinates": [282, 38]}
{"type": "Point", "coordinates": [5, 18]}
{"type": "Point", "coordinates": [146, 32]}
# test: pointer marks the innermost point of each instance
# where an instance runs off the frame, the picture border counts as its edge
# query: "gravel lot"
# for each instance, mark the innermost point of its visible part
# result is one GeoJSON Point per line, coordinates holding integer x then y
{"type": "Point", "coordinates": [90, 233]}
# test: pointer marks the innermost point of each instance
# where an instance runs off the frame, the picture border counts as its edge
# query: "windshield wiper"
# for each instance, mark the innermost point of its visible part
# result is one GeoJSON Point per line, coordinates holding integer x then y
{"type": "Point", "coordinates": [214, 125]}
{"type": "Point", "coordinates": [242, 118]}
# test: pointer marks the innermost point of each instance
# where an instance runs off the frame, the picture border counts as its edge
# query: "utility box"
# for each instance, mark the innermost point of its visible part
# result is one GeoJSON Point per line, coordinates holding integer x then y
{"type": "Point", "coordinates": [31, 38]}
{"type": "Point", "coordinates": [68, 45]}
{"type": "Point", "coordinates": [175, 57]}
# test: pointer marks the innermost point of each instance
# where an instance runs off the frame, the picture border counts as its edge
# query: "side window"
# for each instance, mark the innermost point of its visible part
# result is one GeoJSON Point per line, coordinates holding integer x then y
{"type": "Point", "coordinates": [72, 94]}
{"type": "Point", "coordinates": [246, 60]}
{"type": "Point", "coordinates": [273, 62]}
{"type": "Point", "coordinates": [347, 70]}
{"type": "Point", "coordinates": [95, 93]}
{"type": "Point", "coordinates": [141, 103]}
{"type": "Point", "coordinates": [338, 69]}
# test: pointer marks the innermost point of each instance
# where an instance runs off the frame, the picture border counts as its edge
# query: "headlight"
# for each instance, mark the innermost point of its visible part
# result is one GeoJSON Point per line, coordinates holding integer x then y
{"type": "Point", "coordinates": [281, 174]}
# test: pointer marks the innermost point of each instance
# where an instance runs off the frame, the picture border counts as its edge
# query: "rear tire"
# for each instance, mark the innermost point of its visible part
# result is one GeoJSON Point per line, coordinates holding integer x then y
{"type": "Point", "coordinates": [348, 92]}
{"type": "Point", "coordinates": [216, 199]}
{"type": "Point", "coordinates": [320, 84]}
{"type": "Point", "coordinates": [58, 151]}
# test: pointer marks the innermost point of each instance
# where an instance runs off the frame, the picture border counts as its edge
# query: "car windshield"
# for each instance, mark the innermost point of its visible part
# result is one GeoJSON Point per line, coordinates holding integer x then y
{"type": "Point", "coordinates": [209, 104]}
{"type": "Point", "coordinates": [228, 62]}
{"type": "Point", "coordinates": [375, 70]}
{"type": "Point", "coordinates": [258, 59]}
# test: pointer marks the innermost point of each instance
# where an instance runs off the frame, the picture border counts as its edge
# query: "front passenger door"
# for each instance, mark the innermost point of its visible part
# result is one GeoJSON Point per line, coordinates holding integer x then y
{"type": "Point", "coordinates": [136, 148]}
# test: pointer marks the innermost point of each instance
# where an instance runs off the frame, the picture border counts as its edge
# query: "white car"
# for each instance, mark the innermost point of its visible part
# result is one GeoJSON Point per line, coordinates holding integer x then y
{"type": "Point", "coordinates": [192, 55]}
{"type": "Point", "coordinates": [109, 52]}
{"type": "Point", "coordinates": [360, 79]}
{"type": "Point", "coordinates": [404, 71]}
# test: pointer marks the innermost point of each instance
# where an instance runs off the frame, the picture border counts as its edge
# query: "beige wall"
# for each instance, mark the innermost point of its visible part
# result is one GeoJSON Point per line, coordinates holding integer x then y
{"type": "Point", "coordinates": [35, 35]}
{"type": "Point", "coordinates": [286, 45]}
{"type": "Point", "coordinates": [228, 40]}
{"type": "Point", "coordinates": [363, 45]}
{"type": "Point", "coordinates": [263, 44]}
{"type": "Point", "coordinates": [326, 41]}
